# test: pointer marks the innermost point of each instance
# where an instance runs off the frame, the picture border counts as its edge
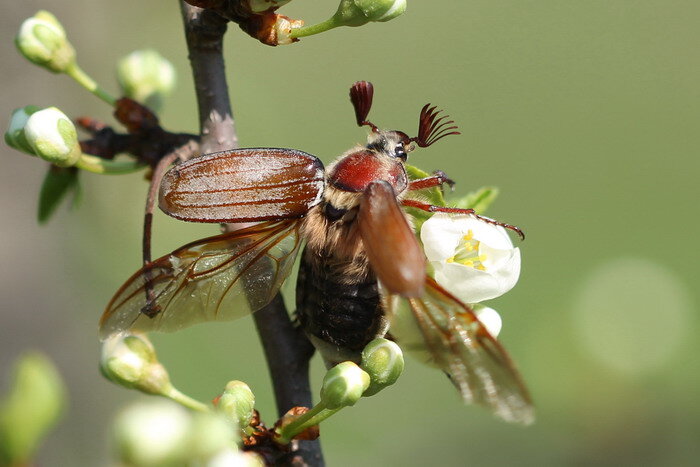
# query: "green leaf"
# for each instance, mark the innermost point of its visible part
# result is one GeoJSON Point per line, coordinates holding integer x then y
{"type": "Point", "coordinates": [433, 196]}
{"type": "Point", "coordinates": [34, 404]}
{"type": "Point", "coordinates": [478, 200]}
{"type": "Point", "coordinates": [57, 184]}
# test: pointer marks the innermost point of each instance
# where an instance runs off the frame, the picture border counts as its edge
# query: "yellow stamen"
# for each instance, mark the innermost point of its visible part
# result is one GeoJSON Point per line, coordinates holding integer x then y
{"type": "Point", "coordinates": [467, 253]}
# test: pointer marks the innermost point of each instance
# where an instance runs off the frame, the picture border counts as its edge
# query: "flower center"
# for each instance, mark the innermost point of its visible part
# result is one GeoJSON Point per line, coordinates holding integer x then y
{"type": "Point", "coordinates": [467, 253]}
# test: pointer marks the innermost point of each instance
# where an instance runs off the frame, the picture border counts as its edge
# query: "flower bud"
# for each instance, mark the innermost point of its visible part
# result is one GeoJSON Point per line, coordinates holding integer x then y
{"type": "Point", "coordinates": [232, 457]}
{"type": "Point", "coordinates": [42, 40]}
{"type": "Point", "coordinates": [489, 318]}
{"type": "Point", "coordinates": [130, 360]}
{"type": "Point", "coordinates": [14, 136]}
{"type": "Point", "coordinates": [382, 359]}
{"type": "Point", "coordinates": [35, 401]}
{"type": "Point", "coordinates": [343, 385]}
{"type": "Point", "coordinates": [237, 403]}
{"type": "Point", "coordinates": [153, 433]}
{"type": "Point", "coordinates": [146, 76]}
{"type": "Point", "coordinates": [359, 12]}
{"type": "Point", "coordinates": [52, 136]}
{"type": "Point", "coordinates": [210, 433]}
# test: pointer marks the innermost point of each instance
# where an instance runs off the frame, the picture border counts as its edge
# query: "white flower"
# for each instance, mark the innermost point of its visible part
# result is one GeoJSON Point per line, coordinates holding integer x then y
{"type": "Point", "coordinates": [42, 40]}
{"type": "Point", "coordinates": [472, 259]}
{"type": "Point", "coordinates": [52, 136]}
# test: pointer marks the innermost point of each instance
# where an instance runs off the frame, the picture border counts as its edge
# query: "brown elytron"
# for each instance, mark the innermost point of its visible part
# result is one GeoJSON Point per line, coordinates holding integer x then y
{"type": "Point", "coordinates": [357, 237]}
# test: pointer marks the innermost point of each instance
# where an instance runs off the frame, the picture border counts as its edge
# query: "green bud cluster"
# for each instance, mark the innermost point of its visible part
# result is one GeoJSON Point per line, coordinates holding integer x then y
{"type": "Point", "coordinates": [50, 135]}
{"type": "Point", "coordinates": [34, 403]}
{"type": "Point", "coordinates": [359, 12]}
{"type": "Point", "coordinates": [42, 40]}
{"type": "Point", "coordinates": [383, 361]}
{"type": "Point", "coordinates": [14, 136]}
{"type": "Point", "coordinates": [146, 76]}
{"type": "Point", "coordinates": [343, 385]}
{"type": "Point", "coordinates": [237, 403]}
{"type": "Point", "coordinates": [130, 360]}
{"type": "Point", "coordinates": [46, 133]}
{"type": "Point", "coordinates": [158, 432]}
{"type": "Point", "coordinates": [381, 365]}
{"type": "Point", "coordinates": [355, 13]}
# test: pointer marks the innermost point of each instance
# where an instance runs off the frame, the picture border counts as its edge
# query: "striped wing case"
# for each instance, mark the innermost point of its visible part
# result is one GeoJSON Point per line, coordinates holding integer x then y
{"type": "Point", "coordinates": [243, 185]}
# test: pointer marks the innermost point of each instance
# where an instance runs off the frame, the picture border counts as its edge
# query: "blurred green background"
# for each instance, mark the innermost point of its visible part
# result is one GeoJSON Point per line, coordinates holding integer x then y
{"type": "Point", "coordinates": [584, 113]}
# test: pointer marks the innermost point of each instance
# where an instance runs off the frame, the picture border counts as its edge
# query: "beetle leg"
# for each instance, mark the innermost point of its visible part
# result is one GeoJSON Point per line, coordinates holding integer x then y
{"type": "Point", "coordinates": [437, 179]}
{"type": "Point", "coordinates": [156, 177]}
{"type": "Point", "coordinates": [411, 203]}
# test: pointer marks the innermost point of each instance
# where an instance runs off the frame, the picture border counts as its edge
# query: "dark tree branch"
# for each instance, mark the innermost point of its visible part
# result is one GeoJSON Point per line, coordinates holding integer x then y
{"type": "Point", "coordinates": [287, 351]}
{"type": "Point", "coordinates": [204, 32]}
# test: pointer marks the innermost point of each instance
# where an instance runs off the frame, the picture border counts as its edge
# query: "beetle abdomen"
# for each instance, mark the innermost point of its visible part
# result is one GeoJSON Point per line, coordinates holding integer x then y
{"type": "Point", "coordinates": [343, 317]}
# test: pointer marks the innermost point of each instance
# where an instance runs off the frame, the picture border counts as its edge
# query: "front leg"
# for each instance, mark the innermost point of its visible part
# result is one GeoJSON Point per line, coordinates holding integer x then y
{"type": "Point", "coordinates": [437, 179]}
{"type": "Point", "coordinates": [411, 203]}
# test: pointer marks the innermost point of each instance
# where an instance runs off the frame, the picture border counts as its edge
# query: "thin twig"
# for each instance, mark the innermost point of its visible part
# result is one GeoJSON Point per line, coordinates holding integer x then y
{"type": "Point", "coordinates": [286, 350]}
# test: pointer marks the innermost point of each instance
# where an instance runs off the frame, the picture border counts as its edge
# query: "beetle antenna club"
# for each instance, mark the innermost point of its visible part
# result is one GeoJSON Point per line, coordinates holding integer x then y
{"type": "Point", "coordinates": [361, 94]}
{"type": "Point", "coordinates": [431, 128]}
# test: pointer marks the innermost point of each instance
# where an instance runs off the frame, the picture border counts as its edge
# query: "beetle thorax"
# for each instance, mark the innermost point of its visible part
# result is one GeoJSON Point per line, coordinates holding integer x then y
{"type": "Point", "coordinates": [356, 169]}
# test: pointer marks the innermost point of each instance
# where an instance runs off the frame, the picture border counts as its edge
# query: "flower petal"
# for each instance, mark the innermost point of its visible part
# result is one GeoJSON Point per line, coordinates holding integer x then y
{"type": "Point", "coordinates": [473, 285]}
{"type": "Point", "coordinates": [440, 236]}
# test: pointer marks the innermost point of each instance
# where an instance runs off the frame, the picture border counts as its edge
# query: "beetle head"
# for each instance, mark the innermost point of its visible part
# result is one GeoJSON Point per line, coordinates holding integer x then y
{"type": "Point", "coordinates": [395, 143]}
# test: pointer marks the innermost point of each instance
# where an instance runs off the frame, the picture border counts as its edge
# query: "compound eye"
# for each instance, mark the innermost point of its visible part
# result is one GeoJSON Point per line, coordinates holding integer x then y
{"type": "Point", "coordinates": [400, 152]}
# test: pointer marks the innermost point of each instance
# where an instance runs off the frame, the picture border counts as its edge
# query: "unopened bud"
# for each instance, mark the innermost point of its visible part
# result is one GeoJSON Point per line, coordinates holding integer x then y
{"type": "Point", "coordinates": [146, 76]}
{"type": "Point", "coordinates": [35, 400]}
{"type": "Point", "coordinates": [14, 136]}
{"type": "Point", "coordinates": [359, 12]}
{"type": "Point", "coordinates": [210, 433]}
{"type": "Point", "coordinates": [130, 360]}
{"type": "Point", "coordinates": [42, 40]}
{"type": "Point", "coordinates": [52, 136]}
{"type": "Point", "coordinates": [343, 385]}
{"type": "Point", "coordinates": [237, 403]}
{"type": "Point", "coordinates": [489, 318]}
{"type": "Point", "coordinates": [383, 360]}
{"type": "Point", "coordinates": [153, 433]}
{"type": "Point", "coordinates": [233, 457]}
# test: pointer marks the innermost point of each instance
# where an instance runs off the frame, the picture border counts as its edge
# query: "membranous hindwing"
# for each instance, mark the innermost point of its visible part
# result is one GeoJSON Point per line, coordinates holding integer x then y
{"type": "Point", "coordinates": [444, 332]}
{"type": "Point", "coordinates": [214, 279]}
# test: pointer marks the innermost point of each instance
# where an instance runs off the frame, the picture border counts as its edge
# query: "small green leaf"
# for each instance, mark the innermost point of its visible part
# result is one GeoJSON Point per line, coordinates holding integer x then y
{"type": "Point", "coordinates": [57, 184]}
{"type": "Point", "coordinates": [478, 200]}
{"type": "Point", "coordinates": [433, 196]}
{"type": "Point", "coordinates": [34, 404]}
